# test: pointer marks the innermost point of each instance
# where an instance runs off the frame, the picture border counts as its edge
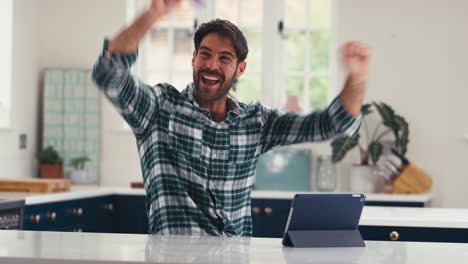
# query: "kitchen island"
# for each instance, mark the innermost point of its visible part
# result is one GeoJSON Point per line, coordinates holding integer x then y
{"type": "Point", "coordinates": [66, 247]}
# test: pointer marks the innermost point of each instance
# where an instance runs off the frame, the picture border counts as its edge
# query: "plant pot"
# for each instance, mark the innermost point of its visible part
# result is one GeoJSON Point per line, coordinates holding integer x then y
{"type": "Point", "coordinates": [365, 179]}
{"type": "Point", "coordinates": [51, 171]}
{"type": "Point", "coordinates": [80, 176]}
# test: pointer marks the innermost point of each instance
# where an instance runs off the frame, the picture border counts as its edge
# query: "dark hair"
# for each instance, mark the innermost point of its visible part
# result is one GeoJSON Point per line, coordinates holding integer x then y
{"type": "Point", "coordinates": [225, 29]}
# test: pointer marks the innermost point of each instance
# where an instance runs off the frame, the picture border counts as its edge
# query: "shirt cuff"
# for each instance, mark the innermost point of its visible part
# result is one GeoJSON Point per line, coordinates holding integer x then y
{"type": "Point", "coordinates": [123, 60]}
{"type": "Point", "coordinates": [343, 121]}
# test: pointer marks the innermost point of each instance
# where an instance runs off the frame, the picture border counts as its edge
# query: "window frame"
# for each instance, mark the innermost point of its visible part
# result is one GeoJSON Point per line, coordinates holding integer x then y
{"type": "Point", "coordinates": [273, 73]}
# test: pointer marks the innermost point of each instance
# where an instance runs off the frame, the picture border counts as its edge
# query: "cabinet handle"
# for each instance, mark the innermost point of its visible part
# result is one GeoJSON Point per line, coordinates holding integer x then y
{"type": "Point", "coordinates": [78, 211]}
{"type": "Point", "coordinates": [51, 216]}
{"type": "Point", "coordinates": [78, 230]}
{"type": "Point", "coordinates": [256, 210]}
{"type": "Point", "coordinates": [394, 235]}
{"type": "Point", "coordinates": [35, 219]}
{"type": "Point", "coordinates": [109, 207]}
{"type": "Point", "coordinates": [268, 210]}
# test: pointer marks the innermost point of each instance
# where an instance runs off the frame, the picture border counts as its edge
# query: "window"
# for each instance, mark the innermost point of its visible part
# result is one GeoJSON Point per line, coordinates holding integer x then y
{"type": "Point", "coordinates": [6, 16]}
{"type": "Point", "coordinates": [293, 61]}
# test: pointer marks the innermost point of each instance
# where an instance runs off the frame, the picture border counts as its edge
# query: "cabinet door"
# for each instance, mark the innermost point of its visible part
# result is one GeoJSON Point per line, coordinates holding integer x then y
{"type": "Point", "coordinates": [100, 215]}
{"type": "Point", "coordinates": [130, 214]}
{"type": "Point", "coordinates": [419, 234]}
{"type": "Point", "coordinates": [89, 214]}
{"type": "Point", "coordinates": [276, 214]}
{"type": "Point", "coordinates": [258, 218]}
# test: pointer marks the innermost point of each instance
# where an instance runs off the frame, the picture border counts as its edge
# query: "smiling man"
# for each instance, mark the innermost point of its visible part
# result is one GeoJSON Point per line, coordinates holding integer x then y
{"type": "Point", "coordinates": [198, 148]}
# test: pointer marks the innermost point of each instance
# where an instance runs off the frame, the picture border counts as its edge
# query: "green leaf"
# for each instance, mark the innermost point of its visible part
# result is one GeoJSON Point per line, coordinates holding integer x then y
{"type": "Point", "coordinates": [375, 150]}
{"type": "Point", "coordinates": [387, 114]}
{"type": "Point", "coordinates": [366, 109]}
{"type": "Point", "coordinates": [403, 134]}
{"type": "Point", "coordinates": [49, 156]}
{"type": "Point", "coordinates": [342, 145]}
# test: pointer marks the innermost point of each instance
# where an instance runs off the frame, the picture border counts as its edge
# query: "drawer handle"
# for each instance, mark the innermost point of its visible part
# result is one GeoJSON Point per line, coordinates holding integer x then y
{"type": "Point", "coordinates": [78, 230]}
{"type": "Point", "coordinates": [35, 219]}
{"type": "Point", "coordinates": [394, 236]}
{"type": "Point", "coordinates": [268, 210]}
{"type": "Point", "coordinates": [256, 210]}
{"type": "Point", "coordinates": [109, 207]}
{"type": "Point", "coordinates": [78, 211]}
{"type": "Point", "coordinates": [52, 216]}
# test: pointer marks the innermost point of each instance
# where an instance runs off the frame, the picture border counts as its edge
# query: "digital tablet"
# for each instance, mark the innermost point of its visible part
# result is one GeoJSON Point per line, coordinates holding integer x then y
{"type": "Point", "coordinates": [331, 212]}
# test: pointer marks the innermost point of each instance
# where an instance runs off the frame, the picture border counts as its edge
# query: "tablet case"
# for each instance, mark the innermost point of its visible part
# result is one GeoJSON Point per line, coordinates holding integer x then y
{"type": "Point", "coordinates": [324, 220]}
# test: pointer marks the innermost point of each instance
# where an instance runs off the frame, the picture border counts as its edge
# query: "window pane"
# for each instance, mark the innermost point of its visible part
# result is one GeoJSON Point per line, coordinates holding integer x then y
{"type": "Point", "coordinates": [319, 50]}
{"type": "Point", "coordinates": [295, 13]}
{"type": "Point", "coordinates": [248, 88]}
{"type": "Point", "coordinates": [158, 50]}
{"type": "Point", "coordinates": [320, 13]}
{"type": "Point", "coordinates": [295, 51]}
{"type": "Point", "coordinates": [183, 50]}
{"type": "Point", "coordinates": [181, 79]}
{"type": "Point", "coordinates": [227, 9]}
{"type": "Point", "coordinates": [254, 40]}
{"type": "Point", "coordinates": [251, 13]}
{"type": "Point", "coordinates": [295, 85]}
{"type": "Point", "coordinates": [318, 95]}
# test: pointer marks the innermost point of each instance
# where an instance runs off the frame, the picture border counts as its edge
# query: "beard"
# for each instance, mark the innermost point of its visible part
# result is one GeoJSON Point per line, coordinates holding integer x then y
{"type": "Point", "coordinates": [201, 92]}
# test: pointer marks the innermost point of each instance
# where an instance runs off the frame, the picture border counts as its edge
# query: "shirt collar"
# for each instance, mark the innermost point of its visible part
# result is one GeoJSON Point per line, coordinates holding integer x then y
{"type": "Point", "coordinates": [232, 103]}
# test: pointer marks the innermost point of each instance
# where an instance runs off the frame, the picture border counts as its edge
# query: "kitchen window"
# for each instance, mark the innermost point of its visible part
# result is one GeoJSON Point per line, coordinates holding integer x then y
{"type": "Point", "coordinates": [6, 17]}
{"type": "Point", "coordinates": [290, 43]}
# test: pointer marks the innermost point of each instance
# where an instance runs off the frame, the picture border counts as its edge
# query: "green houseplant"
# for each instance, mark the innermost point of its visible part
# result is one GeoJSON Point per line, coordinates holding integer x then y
{"type": "Point", "coordinates": [363, 176]}
{"type": "Point", "coordinates": [79, 174]}
{"type": "Point", "coordinates": [50, 163]}
{"type": "Point", "coordinates": [373, 147]}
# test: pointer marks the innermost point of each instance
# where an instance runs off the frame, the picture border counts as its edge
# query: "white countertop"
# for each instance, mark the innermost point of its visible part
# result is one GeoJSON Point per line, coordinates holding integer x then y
{"type": "Point", "coordinates": [87, 192]}
{"type": "Point", "coordinates": [68, 247]}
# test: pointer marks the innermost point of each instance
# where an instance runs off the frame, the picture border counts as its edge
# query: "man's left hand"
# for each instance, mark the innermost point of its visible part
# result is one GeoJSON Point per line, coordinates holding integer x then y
{"type": "Point", "coordinates": [356, 58]}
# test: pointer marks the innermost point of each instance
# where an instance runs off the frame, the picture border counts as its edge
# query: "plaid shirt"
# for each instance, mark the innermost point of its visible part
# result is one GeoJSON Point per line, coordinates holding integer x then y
{"type": "Point", "coordinates": [197, 173]}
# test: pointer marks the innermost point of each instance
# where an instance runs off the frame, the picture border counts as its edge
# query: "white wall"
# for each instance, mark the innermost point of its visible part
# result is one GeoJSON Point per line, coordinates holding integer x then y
{"type": "Point", "coordinates": [15, 162]}
{"type": "Point", "coordinates": [72, 36]}
{"type": "Point", "coordinates": [420, 69]}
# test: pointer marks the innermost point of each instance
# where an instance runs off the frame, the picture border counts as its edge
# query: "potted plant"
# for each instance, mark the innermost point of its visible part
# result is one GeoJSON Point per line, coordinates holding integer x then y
{"type": "Point", "coordinates": [50, 163]}
{"type": "Point", "coordinates": [363, 176]}
{"type": "Point", "coordinates": [79, 174]}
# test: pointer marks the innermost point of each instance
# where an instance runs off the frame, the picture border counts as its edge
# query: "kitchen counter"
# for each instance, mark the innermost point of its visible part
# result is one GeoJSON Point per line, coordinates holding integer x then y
{"type": "Point", "coordinates": [65, 247]}
{"type": "Point", "coordinates": [87, 192]}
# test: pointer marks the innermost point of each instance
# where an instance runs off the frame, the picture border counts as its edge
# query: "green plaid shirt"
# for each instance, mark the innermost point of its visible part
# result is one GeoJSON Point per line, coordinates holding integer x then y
{"type": "Point", "coordinates": [197, 173]}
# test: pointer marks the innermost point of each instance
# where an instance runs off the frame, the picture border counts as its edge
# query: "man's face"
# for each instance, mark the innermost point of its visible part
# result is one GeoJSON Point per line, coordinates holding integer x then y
{"type": "Point", "coordinates": [214, 67]}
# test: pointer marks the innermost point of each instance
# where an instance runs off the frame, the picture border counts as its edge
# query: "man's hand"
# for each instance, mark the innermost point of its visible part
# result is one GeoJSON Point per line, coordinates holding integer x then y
{"type": "Point", "coordinates": [128, 40]}
{"type": "Point", "coordinates": [163, 7]}
{"type": "Point", "coordinates": [356, 58]}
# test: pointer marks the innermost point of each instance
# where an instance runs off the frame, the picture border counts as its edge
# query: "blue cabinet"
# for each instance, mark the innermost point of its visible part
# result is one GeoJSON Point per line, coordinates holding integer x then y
{"type": "Point", "coordinates": [87, 215]}
{"type": "Point", "coordinates": [420, 234]}
{"type": "Point", "coordinates": [130, 214]}
{"type": "Point", "coordinates": [106, 214]}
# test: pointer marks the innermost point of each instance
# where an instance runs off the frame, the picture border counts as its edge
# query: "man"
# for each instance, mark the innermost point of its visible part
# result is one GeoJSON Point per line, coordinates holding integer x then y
{"type": "Point", "coordinates": [198, 148]}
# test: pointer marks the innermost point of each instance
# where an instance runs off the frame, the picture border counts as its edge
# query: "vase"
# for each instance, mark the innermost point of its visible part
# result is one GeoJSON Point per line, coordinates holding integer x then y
{"type": "Point", "coordinates": [365, 179]}
{"type": "Point", "coordinates": [51, 171]}
{"type": "Point", "coordinates": [326, 174]}
{"type": "Point", "coordinates": [80, 176]}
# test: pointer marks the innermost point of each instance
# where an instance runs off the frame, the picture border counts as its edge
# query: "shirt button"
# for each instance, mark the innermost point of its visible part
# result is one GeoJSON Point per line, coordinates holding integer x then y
{"type": "Point", "coordinates": [215, 156]}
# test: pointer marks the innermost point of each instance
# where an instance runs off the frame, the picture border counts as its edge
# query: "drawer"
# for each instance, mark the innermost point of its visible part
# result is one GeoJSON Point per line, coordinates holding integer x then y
{"type": "Point", "coordinates": [419, 234]}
